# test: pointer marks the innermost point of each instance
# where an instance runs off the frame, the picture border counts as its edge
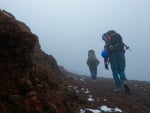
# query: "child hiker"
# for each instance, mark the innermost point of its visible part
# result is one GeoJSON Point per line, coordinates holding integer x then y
{"type": "Point", "coordinates": [92, 63]}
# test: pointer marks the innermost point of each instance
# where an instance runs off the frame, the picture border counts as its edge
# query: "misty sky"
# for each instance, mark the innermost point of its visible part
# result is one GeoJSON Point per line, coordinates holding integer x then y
{"type": "Point", "coordinates": [67, 29]}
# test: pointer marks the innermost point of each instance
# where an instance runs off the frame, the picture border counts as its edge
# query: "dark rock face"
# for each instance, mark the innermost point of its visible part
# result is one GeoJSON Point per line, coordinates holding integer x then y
{"type": "Point", "coordinates": [16, 51]}
{"type": "Point", "coordinates": [48, 61]}
{"type": "Point", "coordinates": [27, 82]}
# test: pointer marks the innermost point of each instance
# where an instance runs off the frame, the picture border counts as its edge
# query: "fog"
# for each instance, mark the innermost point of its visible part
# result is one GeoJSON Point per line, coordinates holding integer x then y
{"type": "Point", "coordinates": [67, 29]}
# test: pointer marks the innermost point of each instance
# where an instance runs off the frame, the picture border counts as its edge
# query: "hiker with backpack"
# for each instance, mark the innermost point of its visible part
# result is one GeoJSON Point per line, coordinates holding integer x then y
{"type": "Point", "coordinates": [92, 63]}
{"type": "Point", "coordinates": [114, 53]}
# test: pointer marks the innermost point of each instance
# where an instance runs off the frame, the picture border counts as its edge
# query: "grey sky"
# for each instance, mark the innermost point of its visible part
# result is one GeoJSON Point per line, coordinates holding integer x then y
{"type": "Point", "coordinates": [67, 29]}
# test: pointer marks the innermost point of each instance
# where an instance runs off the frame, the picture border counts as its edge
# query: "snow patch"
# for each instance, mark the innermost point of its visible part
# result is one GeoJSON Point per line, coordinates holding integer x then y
{"type": "Point", "coordinates": [103, 108]}
{"type": "Point", "coordinates": [94, 110]}
{"type": "Point", "coordinates": [107, 109]}
{"type": "Point", "coordinates": [81, 80]}
{"type": "Point", "coordinates": [91, 110]}
{"type": "Point", "coordinates": [136, 85]}
{"type": "Point", "coordinates": [90, 99]}
{"type": "Point", "coordinates": [87, 91]}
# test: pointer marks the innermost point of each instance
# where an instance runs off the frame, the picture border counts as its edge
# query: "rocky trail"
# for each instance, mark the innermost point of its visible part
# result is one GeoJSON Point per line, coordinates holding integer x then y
{"type": "Point", "coordinates": [101, 98]}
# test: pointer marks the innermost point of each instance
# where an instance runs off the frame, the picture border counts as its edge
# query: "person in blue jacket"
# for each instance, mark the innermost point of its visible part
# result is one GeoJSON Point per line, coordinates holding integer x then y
{"type": "Point", "coordinates": [114, 53]}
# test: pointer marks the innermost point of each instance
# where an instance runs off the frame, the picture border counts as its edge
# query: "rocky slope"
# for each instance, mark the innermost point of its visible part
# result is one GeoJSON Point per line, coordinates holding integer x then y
{"type": "Point", "coordinates": [30, 79]}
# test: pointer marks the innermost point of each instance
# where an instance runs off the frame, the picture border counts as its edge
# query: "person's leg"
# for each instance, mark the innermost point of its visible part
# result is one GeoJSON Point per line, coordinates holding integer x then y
{"type": "Point", "coordinates": [114, 68]}
{"type": "Point", "coordinates": [121, 68]}
{"type": "Point", "coordinates": [92, 73]}
{"type": "Point", "coordinates": [95, 73]}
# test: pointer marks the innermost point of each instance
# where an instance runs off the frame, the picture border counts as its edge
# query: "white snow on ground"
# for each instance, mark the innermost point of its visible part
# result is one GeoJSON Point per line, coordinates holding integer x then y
{"type": "Point", "coordinates": [90, 99]}
{"type": "Point", "coordinates": [82, 111]}
{"type": "Point", "coordinates": [118, 110]}
{"type": "Point", "coordinates": [94, 110]}
{"type": "Point", "coordinates": [81, 79]}
{"type": "Point", "coordinates": [87, 91]}
{"type": "Point", "coordinates": [107, 109]}
{"type": "Point", "coordinates": [140, 87]}
{"type": "Point", "coordinates": [103, 108]}
{"type": "Point", "coordinates": [76, 89]}
{"type": "Point", "coordinates": [145, 89]}
{"type": "Point", "coordinates": [70, 86]}
{"type": "Point", "coordinates": [105, 100]}
{"type": "Point", "coordinates": [136, 85]}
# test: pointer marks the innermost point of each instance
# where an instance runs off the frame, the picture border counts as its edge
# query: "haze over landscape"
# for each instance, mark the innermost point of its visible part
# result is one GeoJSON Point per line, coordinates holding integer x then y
{"type": "Point", "coordinates": [67, 29]}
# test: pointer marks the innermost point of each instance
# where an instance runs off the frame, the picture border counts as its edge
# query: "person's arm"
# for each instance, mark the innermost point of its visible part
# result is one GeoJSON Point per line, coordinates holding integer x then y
{"type": "Point", "coordinates": [106, 62]}
{"type": "Point", "coordinates": [98, 62]}
{"type": "Point", "coordinates": [87, 62]}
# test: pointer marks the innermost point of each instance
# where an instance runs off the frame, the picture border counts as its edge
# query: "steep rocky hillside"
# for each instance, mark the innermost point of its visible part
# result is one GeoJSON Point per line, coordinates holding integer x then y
{"type": "Point", "coordinates": [30, 79]}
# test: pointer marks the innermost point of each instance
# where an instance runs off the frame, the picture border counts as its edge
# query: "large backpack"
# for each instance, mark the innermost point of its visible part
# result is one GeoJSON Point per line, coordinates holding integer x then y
{"type": "Point", "coordinates": [113, 41]}
{"type": "Point", "coordinates": [92, 60]}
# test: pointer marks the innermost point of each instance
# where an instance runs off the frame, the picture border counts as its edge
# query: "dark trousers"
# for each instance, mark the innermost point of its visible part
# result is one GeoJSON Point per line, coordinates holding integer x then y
{"type": "Point", "coordinates": [93, 71]}
{"type": "Point", "coordinates": [117, 61]}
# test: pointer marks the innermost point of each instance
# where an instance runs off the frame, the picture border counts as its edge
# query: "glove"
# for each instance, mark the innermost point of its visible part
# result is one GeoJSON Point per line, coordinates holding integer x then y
{"type": "Point", "coordinates": [106, 66]}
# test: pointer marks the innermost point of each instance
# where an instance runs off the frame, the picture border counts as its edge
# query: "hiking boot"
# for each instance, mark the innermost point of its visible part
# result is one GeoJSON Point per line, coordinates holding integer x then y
{"type": "Point", "coordinates": [126, 88]}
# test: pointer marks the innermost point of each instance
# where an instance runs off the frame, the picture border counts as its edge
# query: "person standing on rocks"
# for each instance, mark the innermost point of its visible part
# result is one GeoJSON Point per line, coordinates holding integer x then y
{"type": "Point", "coordinates": [114, 52]}
{"type": "Point", "coordinates": [92, 63]}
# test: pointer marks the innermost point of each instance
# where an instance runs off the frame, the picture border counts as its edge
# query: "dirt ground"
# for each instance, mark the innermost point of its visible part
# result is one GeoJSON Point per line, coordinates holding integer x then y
{"type": "Point", "coordinates": [100, 95]}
